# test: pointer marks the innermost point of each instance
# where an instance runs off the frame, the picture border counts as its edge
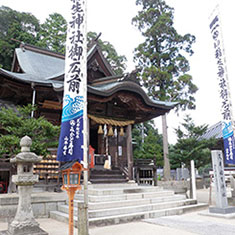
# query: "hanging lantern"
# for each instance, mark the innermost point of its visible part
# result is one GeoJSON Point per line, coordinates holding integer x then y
{"type": "Point", "coordinates": [110, 132]}
{"type": "Point", "coordinates": [100, 130]}
{"type": "Point", "coordinates": [121, 131]}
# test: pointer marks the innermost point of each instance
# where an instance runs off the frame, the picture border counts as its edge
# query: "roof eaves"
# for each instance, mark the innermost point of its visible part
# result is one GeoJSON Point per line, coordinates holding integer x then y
{"type": "Point", "coordinates": [111, 88]}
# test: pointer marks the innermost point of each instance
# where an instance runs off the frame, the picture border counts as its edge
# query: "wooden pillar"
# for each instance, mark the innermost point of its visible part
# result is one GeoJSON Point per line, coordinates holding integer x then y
{"type": "Point", "coordinates": [129, 152]}
{"type": "Point", "coordinates": [71, 193]}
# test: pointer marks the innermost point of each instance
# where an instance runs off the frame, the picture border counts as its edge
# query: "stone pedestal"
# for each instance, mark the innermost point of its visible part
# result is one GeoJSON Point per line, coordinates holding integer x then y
{"type": "Point", "coordinates": [221, 197]}
{"type": "Point", "coordinates": [24, 222]}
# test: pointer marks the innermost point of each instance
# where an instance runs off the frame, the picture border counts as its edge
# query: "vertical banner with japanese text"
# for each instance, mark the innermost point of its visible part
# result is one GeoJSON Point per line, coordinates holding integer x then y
{"type": "Point", "coordinates": [224, 92]}
{"type": "Point", "coordinates": [72, 125]}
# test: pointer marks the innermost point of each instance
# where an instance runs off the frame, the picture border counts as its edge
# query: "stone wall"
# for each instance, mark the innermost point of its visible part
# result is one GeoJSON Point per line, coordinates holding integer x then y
{"type": "Point", "coordinates": [177, 186]}
{"type": "Point", "coordinates": [42, 204]}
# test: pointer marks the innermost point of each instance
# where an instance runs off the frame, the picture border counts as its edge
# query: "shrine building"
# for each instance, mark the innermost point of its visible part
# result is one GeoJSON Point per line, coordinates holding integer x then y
{"type": "Point", "coordinates": [115, 102]}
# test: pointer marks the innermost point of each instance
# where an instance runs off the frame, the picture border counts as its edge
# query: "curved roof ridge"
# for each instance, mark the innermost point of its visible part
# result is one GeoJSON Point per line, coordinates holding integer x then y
{"type": "Point", "coordinates": [111, 88]}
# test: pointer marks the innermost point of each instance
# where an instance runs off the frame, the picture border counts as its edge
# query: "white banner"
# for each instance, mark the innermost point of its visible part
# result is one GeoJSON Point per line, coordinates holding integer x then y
{"type": "Point", "coordinates": [222, 76]}
{"type": "Point", "coordinates": [75, 83]}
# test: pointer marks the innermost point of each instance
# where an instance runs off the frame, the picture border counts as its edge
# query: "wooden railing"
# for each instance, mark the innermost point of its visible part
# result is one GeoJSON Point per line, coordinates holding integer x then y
{"type": "Point", "coordinates": [145, 171]}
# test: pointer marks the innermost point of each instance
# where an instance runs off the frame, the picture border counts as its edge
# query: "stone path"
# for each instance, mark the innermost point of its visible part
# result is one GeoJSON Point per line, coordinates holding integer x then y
{"type": "Point", "coordinates": [197, 224]}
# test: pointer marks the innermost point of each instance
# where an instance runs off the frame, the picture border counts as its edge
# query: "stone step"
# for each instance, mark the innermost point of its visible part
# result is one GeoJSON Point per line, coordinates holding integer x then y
{"type": "Point", "coordinates": [105, 172]}
{"type": "Point", "coordinates": [125, 196]}
{"type": "Point", "coordinates": [114, 185]}
{"type": "Point", "coordinates": [102, 176]}
{"type": "Point", "coordinates": [107, 180]}
{"type": "Point", "coordinates": [123, 218]}
{"type": "Point", "coordinates": [138, 209]}
{"type": "Point", "coordinates": [131, 202]}
{"type": "Point", "coordinates": [118, 190]}
{"type": "Point", "coordinates": [130, 209]}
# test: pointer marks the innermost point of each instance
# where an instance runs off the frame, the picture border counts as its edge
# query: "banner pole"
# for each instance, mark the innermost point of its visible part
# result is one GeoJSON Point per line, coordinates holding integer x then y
{"type": "Point", "coordinates": [73, 141]}
{"type": "Point", "coordinates": [86, 129]}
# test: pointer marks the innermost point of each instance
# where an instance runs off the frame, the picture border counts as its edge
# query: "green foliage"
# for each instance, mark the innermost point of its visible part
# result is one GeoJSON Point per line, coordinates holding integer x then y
{"type": "Point", "coordinates": [190, 146]}
{"type": "Point", "coordinates": [161, 57]}
{"type": "Point", "coordinates": [151, 148]}
{"type": "Point", "coordinates": [24, 27]}
{"type": "Point", "coordinates": [116, 61]}
{"type": "Point", "coordinates": [16, 124]}
{"type": "Point", "coordinates": [52, 33]}
{"type": "Point", "coordinates": [17, 25]}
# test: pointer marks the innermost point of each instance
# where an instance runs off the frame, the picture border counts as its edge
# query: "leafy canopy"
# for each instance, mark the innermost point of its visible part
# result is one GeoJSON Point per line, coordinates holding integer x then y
{"type": "Point", "coordinates": [17, 25]}
{"type": "Point", "coordinates": [190, 146]}
{"type": "Point", "coordinates": [151, 148]}
{"type": "Point", "coordinates": [161, 58]}
{"type": "Point", "coordinates": [116, 61]}
{"type": "Point", "coordinates": [52, 33]}
{"type": "Point", "coordinates": [15, 124]}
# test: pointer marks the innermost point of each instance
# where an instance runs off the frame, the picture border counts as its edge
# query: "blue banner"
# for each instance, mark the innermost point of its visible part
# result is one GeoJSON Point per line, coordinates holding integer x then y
{"type": "Point", "coordinates": [71, 142]}
{"type": "Point", "coordinates": [71, 136]}
{"type": "Point", "coordinates": [229, 143]}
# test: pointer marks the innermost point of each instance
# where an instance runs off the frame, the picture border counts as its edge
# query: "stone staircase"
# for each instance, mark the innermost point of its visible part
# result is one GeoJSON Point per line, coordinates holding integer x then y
{"type": "Point", "coordinates": [104, 176]}
{"type": "Point", "coordinates": [120, 203]}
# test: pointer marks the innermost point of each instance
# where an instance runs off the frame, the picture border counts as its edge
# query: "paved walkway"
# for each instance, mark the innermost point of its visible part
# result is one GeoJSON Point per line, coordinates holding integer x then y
{"type": "Point", "coordinates": [54, 227]}
{"type": "Point", "coordinates": [186, 224]}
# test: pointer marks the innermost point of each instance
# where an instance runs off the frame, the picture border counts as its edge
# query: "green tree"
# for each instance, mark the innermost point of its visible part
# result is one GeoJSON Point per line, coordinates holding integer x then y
{"type": "Point", "coordinates": [161, 60]}
{"type": "Point", "coordinates": [20, 26]}
{"type": "Point", "coordinates": [190, 146]}
{"type": "Point", "coordinates": [148, 142]}
{"type": "Point", "coordinates": [52, 33]}
{"type": "Point", "coordinates": [16, 124]}
{"type": "Point", "coordinates": [116, 61]}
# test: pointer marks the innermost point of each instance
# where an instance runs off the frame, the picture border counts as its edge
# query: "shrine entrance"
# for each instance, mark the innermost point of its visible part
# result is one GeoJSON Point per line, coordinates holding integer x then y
{"type": "Point", "coordinates": [108, 138]}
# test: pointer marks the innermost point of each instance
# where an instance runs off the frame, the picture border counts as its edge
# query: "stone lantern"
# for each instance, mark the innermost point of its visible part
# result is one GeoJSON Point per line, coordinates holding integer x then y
{"type": "Point", "coordinates": [24, 221]}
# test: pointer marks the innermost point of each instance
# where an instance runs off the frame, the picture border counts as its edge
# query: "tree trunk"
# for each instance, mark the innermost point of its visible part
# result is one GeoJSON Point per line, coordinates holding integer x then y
{"type": "Point", "coordinates": [166, 169]}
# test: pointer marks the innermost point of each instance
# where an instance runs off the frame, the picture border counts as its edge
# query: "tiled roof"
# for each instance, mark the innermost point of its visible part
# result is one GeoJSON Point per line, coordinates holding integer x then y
{"type": "Point", "coordinates": [44, 68]}
{"type": "Point", "coordinates": [214, 131]}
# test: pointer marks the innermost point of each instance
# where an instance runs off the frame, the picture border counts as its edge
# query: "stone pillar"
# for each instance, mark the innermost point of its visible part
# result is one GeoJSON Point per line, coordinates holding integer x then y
{"type": "Point", "coordinates": [83, 222]}
{"type": "Point", "coordinates": [129, 152]}
{"type": "Point", "coordinates": [193, 181]}
{"type": "Point", "coordinates": [166, 167]}
{"type": "Point", "coordinates": [24, 222]}
{"type": "Point", "coordinates": [221, 197]}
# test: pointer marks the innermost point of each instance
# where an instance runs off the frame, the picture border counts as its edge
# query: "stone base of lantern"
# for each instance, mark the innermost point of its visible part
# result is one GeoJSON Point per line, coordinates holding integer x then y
{"type": "Point", "coordinates": [24, 222]}
{"type": "Point", "coordinates": [24, 233]}
{"type": "Point", "coordinates": [24, 228]}
{"type": "Point", "coordinates": [29, 227]}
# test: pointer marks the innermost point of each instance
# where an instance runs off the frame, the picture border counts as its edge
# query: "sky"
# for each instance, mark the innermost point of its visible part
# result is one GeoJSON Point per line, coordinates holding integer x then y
{"type": "Point", "coordinates": [113, 19]}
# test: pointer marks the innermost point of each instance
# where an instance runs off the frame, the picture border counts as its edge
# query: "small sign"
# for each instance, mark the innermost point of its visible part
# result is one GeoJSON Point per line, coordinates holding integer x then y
{"type": "Point", "coordinates": [119, 151]}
